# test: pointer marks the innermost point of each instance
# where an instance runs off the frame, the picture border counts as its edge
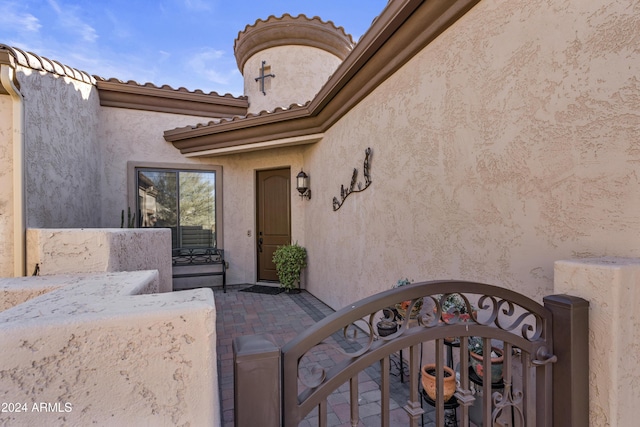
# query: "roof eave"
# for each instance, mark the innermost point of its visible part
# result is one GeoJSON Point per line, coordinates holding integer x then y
{"type": "Point", "coordinates": [289, 141]}
{"type": "Point", "coordinates": [114, 93]}
{"type": "Point", "coordinates": [282, 125]}
{"type": "Point", "coordinates": [402, 30]}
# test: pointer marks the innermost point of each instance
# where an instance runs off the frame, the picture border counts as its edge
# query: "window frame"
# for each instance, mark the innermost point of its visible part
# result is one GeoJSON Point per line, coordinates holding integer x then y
{"type": "Point", "coordinates": [132, 193]}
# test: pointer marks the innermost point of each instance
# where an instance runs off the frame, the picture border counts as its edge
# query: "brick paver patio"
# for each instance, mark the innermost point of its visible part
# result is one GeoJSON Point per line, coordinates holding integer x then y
{"type": "Point", "coordinates": [284, 316]}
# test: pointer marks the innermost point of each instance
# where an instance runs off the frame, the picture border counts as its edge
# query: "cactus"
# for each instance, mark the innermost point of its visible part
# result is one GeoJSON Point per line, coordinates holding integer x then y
{"type": "Point", "coordinates": [131, 219]}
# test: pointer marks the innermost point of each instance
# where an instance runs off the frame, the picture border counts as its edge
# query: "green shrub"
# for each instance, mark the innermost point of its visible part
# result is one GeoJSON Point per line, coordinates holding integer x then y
{"type": "Point", "coordinates": [289, 261]}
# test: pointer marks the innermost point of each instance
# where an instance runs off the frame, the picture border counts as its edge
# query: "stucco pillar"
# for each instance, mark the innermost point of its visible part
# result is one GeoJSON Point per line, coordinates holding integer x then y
{"type": "Point", "coordinates": [9, 86]}
{"type": "Point", "coordinates": [612, 287]}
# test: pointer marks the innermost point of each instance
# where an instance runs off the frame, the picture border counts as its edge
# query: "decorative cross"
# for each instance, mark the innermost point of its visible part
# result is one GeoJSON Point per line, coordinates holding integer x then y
{"type": "Point", "coordinates": [262, 77]}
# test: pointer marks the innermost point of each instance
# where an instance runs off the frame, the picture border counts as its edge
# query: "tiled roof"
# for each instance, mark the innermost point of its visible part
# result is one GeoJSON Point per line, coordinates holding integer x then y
{"type": "Point", "coordinates": [134, 84]}
{"type": "Point", "coordinates": [288, 18]}
{"type": "Point", "coordinates": [36, 62]}
{"type": "Point", "coordinates": [131, 94]}
{"type": "Point", "coordinates": [149, 97]}
{"type": "Point", "coordinates": [41, 63]}
{"type": "Point", "coordinates": [264, 113]}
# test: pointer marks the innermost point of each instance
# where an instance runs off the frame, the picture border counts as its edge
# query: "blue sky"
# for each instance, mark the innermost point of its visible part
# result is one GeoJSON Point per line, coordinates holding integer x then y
{"type": "Point", "coordinates": [185, 43]}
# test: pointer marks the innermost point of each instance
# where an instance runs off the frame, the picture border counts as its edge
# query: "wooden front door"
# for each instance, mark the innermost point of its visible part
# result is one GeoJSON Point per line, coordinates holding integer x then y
{"type": "Point", "coordinates": [274, 218]}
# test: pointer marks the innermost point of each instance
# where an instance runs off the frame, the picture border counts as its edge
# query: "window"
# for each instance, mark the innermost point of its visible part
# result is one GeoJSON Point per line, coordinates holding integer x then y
{"type": "Point", "coordinates": [186, 201]}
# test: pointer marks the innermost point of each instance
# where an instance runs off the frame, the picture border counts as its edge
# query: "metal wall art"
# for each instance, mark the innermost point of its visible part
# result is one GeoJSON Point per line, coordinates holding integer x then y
{"type": "Point", "coordinates": [344, 193]}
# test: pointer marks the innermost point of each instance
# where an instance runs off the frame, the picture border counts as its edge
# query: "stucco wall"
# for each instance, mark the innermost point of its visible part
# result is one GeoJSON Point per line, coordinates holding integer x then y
{"type": "Point", "coordinates": [62, 157]}
{"type": "Point", "coordinates": [300, 72]}
{"type": "Point", "coordinates": [6, 180]}
{"type": "Point", "coordinates": [133, 135]}
{"type": "Point", "coordinates": [507, 143]}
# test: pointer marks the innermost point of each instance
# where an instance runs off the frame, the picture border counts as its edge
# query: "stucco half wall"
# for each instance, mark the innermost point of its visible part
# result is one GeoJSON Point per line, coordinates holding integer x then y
{"type": "Point", "coordinates": [93, 350]}
{"type": "Point", "coordinates": [86, 250]}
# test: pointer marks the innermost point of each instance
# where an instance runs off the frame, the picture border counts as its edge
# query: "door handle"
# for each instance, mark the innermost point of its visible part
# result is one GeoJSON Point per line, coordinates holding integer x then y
{"type": "Point", "coordinates": [260, 244]}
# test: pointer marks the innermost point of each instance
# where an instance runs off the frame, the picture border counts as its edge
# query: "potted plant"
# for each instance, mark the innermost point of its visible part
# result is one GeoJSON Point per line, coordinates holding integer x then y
{"type": "Point", "coordinates": [403, 306]}
{"type": "Point", "coordinates": [476, 353]}
{"type": "Point", "coordinates": [289, 261]}
{"type": "Point", "coordinates": [454, 305]}
{"type": "Point", "coordinates": [428, 372]}
{"type": "Point", "coordinates": [387, 325]}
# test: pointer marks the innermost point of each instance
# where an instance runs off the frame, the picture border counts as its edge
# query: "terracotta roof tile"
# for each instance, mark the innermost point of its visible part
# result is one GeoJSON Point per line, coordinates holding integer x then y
{"type": "Point", "coordinates": [288, 17]}
{"type": "Point", "coordinates": [40, 63]}
{"type": "Point", "coordinates": [263, 113]}
{"type": "Point", "coordinates": [289, 30]}
{"type": "Point", "coordinates": [36, 62]}
{"type": "Point", "coordinates": [181, 89]}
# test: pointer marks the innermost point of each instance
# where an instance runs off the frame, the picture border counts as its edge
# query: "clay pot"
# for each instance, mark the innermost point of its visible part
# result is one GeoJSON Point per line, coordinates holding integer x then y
{"type": "Point", "coordinates": [429, 381]}
{"type": "Point", "coordinates": [402, 307]}
{"type": "Point", "coordinates": [465, 317]}
{"type": "Point", "coordinates": [496, 364]}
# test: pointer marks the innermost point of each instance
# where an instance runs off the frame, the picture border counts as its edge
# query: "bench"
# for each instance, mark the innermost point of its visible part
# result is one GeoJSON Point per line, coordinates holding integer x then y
{"type": "Point", "coordinates": [203, 257]}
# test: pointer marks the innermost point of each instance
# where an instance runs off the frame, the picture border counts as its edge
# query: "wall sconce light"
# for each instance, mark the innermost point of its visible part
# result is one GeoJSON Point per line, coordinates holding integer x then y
{"type": "Point", "coordinates": [302, 185]}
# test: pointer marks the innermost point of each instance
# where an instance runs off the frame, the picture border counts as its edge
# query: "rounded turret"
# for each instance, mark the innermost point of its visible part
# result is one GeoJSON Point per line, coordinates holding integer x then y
{"type": "Point", "coordinates": [287, 60]}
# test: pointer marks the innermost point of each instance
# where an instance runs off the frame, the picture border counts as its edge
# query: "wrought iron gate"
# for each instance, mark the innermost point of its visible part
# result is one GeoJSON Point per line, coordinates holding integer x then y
{"type": "Point", "coordinates": [544, 351]}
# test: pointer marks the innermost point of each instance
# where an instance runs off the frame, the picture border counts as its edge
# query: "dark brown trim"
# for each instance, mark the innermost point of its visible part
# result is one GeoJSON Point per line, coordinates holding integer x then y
{"type": "Point", "coordinates": [114, 93]}
{"type": "Point", "coordinates": [287, 124]}
{"type": "Point", "coordinates": [403, 29]}
{"type": "Point", "coordinates": [132, 186]}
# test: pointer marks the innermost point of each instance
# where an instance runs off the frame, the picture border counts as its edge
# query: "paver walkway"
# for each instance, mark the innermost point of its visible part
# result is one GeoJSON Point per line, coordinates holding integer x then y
{"type": "Point", "coordinates": [284, 316]}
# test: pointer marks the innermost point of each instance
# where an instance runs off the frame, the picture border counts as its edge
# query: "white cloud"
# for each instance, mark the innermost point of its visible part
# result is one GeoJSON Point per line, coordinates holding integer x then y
{"type": "Point", "coordinates": [119, 29]}
{"type": "Point", "coordinates": [54, 5]}
{"type": "Point", "coordinates": [12, 17]}
{"type": "Point", "coordinates": [121, 67]}
{"type": "Point", "coordinates": [212, 69]}
{"type": "Point", "coordinates": [205, 64]}
{"type": "Point", "coordinates": [197, 5]}
{"type": "Point", "coordinates": [89, 34]}
{"type": "Point", "coordinates": [29, 22]}
{"type": "Point", "coordinates": [24, 22]}
{"type": "Point", "coordinates": [73, 23]}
